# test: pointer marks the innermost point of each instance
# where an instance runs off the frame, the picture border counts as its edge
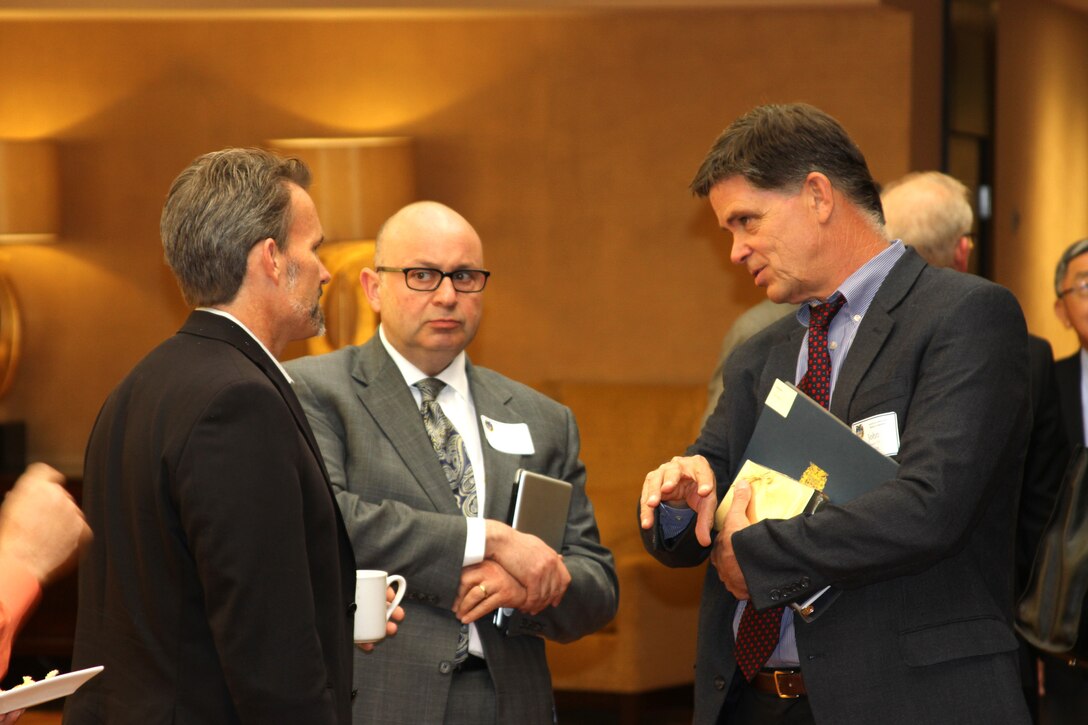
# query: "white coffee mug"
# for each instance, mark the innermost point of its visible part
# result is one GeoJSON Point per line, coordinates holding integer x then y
{"type": "Point", "coordinates": [371, 610]}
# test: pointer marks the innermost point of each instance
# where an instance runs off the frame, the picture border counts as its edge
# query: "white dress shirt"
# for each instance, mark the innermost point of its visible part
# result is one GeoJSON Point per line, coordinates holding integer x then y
{"type": "Point", "coordinates": [455, 400]}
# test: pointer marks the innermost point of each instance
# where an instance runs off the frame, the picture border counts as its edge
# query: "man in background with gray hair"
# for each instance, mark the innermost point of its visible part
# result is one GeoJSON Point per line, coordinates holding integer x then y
{"type": "Point", "coordinates": [1071, 307]}
{"type": "Point", "coordinates": [930, 212]}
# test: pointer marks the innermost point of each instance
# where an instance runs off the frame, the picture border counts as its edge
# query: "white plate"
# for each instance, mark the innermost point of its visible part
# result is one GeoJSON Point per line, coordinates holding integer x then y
{"type": "Point", "coordinates": [45, 690]}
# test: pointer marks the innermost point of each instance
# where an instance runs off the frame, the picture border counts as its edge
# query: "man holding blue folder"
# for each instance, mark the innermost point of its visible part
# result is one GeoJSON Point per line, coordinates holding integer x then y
{"type": "Point", "coordinates": [920, 629]}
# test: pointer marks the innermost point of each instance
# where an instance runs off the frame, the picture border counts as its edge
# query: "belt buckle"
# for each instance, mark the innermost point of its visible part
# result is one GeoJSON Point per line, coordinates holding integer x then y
{"type": "Point", "coordinates": [778, 687]}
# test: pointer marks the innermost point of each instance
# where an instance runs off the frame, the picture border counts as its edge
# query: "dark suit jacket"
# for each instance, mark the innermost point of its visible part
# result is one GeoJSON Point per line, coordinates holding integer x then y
{"type": "Point", "coordinates": [218, 585]}
{"type": "Point", "coordinates": [924, 562]}
{"type": "Point", "coordinates": [402, 517]}
{"type": "Point", "coordinates": [1067, 371]}
{"type": "Point", "coordinates": [1047, 456]}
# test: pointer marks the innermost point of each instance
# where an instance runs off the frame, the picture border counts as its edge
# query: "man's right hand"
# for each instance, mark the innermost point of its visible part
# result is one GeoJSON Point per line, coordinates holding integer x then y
{"type": "Point", "coordinates": [685, 481]}
{"type": "Point", "coordinates": [40, 524]}
{"type": "Point", "coordinates": [535, 565]}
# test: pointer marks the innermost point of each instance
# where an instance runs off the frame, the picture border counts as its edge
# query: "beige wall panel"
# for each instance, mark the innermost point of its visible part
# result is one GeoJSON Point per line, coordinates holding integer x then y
{"type": "Point", "coordinates": [1041, 194]}
{"type": "Point", "coordinates": [567, 138]}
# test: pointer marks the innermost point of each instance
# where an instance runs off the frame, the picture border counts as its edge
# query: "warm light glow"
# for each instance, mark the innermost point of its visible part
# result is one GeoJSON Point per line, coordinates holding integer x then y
{"type": "Point", "coordinates": [10, 335]}
{"type": "Point", "coordinates": [349, 319]}
{"type": "Point", "coordinates": [357, 182]}
{"type": "Point", "coordinates": [28, 192]}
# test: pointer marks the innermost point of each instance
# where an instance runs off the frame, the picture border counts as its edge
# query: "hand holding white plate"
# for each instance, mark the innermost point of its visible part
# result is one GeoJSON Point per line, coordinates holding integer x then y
{"type": "Point", "coordinates": [45, 690]}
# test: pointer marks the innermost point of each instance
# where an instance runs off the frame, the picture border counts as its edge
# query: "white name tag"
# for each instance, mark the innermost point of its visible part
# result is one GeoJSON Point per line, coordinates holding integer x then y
{"type": "Point", "coordinates": [880, 431]}
{"type": "Point", "coordinates": [508, 437]}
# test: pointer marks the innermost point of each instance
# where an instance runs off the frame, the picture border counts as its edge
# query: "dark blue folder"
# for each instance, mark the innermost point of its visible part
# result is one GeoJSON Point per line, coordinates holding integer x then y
{"type": "Point", "coordinates": [794, 432]}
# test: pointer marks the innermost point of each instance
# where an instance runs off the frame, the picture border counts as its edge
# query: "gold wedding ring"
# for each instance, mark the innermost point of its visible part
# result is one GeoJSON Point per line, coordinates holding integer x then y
{"type": "Point", "coordinates": [482, 588]}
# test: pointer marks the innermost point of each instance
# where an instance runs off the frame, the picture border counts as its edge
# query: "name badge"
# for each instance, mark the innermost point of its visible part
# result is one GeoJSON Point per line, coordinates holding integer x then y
{"type": "Point", "coordinates": [880, 431]}
{"type": "Point", "coordinates": [508, 437]}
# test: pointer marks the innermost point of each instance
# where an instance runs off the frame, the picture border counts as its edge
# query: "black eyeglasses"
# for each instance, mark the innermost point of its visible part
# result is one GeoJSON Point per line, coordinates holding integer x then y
{"type": "Point", "coordinates": [426, 279]}
{"type": "Point", "coordinates": [1080, 287]}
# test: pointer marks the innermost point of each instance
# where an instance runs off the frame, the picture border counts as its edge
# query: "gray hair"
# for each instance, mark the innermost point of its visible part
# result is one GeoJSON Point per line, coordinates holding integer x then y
{"type": "Point", "coordinates": [934, 219]}
{"type": "Point", "coordinates": [217, 209]}
{"type": "Point", "coordinates": [775, 147]}
{"type": "Point", "coordinates": [1072, 252]}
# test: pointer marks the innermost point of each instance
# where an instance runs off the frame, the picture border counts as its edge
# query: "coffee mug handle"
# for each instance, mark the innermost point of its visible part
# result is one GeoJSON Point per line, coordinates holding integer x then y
{"type": "Point", "coordinates": [401, 588]}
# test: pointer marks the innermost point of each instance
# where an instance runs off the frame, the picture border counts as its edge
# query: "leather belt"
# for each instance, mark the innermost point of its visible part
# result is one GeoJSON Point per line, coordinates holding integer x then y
{"type": "Point", "coordinates": [472, 662]}
{"type": "Point", "coordinates": [783, 683]}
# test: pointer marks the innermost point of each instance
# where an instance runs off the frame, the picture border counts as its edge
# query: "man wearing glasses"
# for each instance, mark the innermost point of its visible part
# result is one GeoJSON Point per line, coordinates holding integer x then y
{"type": "Point", "coordinates": [1071, 286]}
{"type": "Point", "coordinates": [422, 448]}
{"type": "Point", "coordinates": [1066, 698]}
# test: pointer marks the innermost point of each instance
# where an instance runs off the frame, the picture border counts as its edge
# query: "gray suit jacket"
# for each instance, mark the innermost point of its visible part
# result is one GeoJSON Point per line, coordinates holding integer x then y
{"type": "Point", "coordinates": [921, 631]}
{"type": "Point", "coordinates": [402, 517]}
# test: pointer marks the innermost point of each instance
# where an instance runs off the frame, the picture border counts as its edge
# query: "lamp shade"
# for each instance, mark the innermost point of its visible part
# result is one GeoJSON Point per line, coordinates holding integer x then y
{"type": "Point", "coordinates": [29, 199]}
{"type": "Point", "coordinates": [357, 182]}
{"type": "Point", "coordinates": [10, 335]}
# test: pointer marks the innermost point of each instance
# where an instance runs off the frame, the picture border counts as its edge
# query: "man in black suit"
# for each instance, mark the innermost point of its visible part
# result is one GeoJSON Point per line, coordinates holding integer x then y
{"type": "Point", "coordinates": [922, 563]}
{"type": "Point", "coordinates": [219, 585]}
{"type": "Point", "coordinates": [1065, 688]}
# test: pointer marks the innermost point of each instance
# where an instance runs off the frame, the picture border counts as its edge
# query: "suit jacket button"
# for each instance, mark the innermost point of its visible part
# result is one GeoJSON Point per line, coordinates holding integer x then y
{"type": "Point", "coordinates": [775, 595]}
{"type": "Point", "coordinates": [719, 683]}
{"type": "Point", "coordinates": [445, 667]}
{"type": "Point", "coordinates": [805, 581]}
{"type": "Point", "coordinates": [354, 692]}
{"type": "Point", "coordinates": [351, 608]}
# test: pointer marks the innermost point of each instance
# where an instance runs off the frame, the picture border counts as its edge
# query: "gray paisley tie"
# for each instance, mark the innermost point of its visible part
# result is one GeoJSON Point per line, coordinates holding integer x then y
{"type": "Point", "coordinates": [450, 447]}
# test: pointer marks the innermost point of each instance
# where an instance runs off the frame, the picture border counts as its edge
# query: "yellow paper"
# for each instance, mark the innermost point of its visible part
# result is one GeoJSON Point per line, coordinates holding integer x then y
{"type": "Point", "coordinates": [774, 495]}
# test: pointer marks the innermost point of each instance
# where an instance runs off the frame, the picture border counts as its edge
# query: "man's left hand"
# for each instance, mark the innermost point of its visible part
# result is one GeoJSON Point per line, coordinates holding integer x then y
{"type": "Point", "coordinates": [722, 555]}
{"type": "Point", "coordinates": [390, 626]}
{"type": "Point", "coordinates": [484, 588]}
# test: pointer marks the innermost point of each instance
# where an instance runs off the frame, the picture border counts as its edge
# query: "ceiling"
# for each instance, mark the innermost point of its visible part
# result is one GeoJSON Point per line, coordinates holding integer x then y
{"type": "Point", "coordinates": [265, 5]}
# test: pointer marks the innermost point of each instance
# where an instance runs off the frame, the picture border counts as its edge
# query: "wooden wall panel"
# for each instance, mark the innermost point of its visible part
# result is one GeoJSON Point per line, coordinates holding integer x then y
{"type": "Point", "coordinates": [568, 139]}
{"type": "Point", "coordinates": [1041, 194]}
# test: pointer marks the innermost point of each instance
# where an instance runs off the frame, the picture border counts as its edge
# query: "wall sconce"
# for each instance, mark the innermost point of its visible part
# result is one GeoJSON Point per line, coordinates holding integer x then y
{"type": "Point", "coordinates": [29, 214]}
{"type": "Point", "coordinates": [358, 183]}
{"type": "Point", "coordinates": [10, 335]}
{"type": "Point", "coordinates": [29, 202]}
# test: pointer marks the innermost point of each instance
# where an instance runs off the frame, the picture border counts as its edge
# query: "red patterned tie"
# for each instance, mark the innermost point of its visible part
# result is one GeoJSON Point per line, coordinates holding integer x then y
{"type": "Point", "coordinates": [757, 633]}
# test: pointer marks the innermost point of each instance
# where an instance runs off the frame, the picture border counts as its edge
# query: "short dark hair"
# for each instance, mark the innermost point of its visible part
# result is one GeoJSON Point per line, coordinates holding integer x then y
{"type": "Point", "coordinates": [217, 209]}
{"type": "Point", "coordinates": [775, 147]}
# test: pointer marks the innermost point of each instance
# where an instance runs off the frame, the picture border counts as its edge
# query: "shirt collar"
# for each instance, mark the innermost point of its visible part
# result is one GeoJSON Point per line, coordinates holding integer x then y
{"type": "Point", "coordinates": [454, 376]}
{"type": "Point", "coordinates": [860, 287]}
{"type": "Point", "coordinates": [235, 320]}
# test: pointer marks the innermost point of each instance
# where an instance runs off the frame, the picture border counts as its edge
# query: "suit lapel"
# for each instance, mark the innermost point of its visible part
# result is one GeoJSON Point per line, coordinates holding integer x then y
{"type": "Point", "coordinates": [381, 389]}
{"type": "Point", "coordinates": [500, 467]}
